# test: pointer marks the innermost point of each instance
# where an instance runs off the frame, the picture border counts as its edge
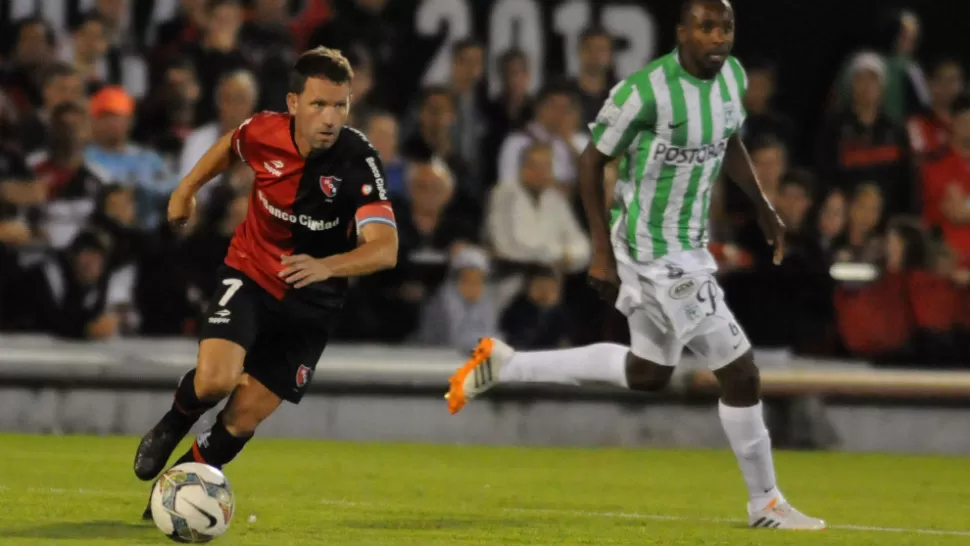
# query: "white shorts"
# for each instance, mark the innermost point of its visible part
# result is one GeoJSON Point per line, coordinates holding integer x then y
{"type": "Point", "coordinates": [676, 302]}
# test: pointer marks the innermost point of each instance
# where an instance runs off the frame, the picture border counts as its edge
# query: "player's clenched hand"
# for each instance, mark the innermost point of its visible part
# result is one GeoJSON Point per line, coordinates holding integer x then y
{"type": "Point", "coordinates": [302, 270]}
{"type": "Point", "coordinates": [602, 277]}
{"type": "Point", "coordinates": [181, 207]}
{"type": "Point", "coordinates": [774, 230]}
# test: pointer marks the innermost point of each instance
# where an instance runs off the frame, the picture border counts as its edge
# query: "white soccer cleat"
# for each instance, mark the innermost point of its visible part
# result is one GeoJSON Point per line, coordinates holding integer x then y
{"type": "Point", "coordinates": [782, 515]}
{"type": "Point", "coordinates": [479, 373]}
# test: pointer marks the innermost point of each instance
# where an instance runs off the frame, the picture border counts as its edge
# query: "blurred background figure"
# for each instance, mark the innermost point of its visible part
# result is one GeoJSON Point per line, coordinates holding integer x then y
{"type": "Point", "coordinates": [463, 310]}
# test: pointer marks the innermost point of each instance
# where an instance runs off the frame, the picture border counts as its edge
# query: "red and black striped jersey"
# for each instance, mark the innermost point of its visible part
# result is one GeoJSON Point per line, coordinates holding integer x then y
{"type": "Point", "coordinates": [313, 205]}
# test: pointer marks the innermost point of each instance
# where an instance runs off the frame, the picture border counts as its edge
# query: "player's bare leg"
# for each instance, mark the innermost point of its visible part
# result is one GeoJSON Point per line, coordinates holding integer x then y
{"type": "Point", "coordinates": [250, 404]}
{"type": "Point", "coordinates": [742, 417]}
{"type": "Point", "coordinates": [220, 364]}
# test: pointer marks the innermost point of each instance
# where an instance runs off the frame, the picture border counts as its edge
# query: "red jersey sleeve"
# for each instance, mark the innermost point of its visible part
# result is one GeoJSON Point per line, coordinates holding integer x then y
{"type": "Point", "coordinates": [372, 201]}
{"type": "Point", "coordinates": [934, 188]}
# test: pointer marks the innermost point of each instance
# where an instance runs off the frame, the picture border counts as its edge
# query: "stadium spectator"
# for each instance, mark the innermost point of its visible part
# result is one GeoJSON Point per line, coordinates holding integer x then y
{"type": "Point", "coordinates": [860, 241]}
{"type": "Point", "coordinates": [537, 318]}
{"type": "Point", "coordinates": [431, 229]}
{"type": "Point", "coordinates": [463, 310]}
{"type": "Point", "coordinates": [72, 183]}
{"type": "Point", "coordinates": [861, 144]}
{"type": "Point", "coordinates": [595, 78]}
{"type": "Point", "coordinates": [471, 123]}
{"type": "Point", "coordinates": [830, 222]}
{"type": "Point", "coordinates": [60, 83]}
{"type": "Point", "coordinates": [763, 118]}
{"type": "Point", "coordinates": [946, 186]}
{"type": "Point", "coordinates": [510, 110]}
{"type": "Point", "coordinates": [18, 191]}
{"type": "Point", "coordinates": [70, 294]}
{"type": "Point", "coordinates": [126, 163]}
{"type": "Point", "coordinates": [382, 131]}
{"type": "Point", "coordinates": [361, 87]}
{"type": "Point", "coordinates": [554, 123]}
{"type": "Point", "coordinates": [361, 22]}
{"type": "Point", "coordinates": [236, 98]}
{"type": "Point", "coordinates": [432, 138]}
{"type": "Point", "coordinates": [268, 44]}
{"type": "Point", "coordinates": [876, 320]}
{"type": "Point", "coordinates": [531, 222]}
{"type": "Point", "coordinates": [33, 48]}
{"type": "Point", "coordinates": [929, 130]}
{"type": "Point", "coordinates": [174, 36]}
{"type": "Point", "coordinates": [167, 116]}
{"type": "Point", "coordinates": [217, 53]}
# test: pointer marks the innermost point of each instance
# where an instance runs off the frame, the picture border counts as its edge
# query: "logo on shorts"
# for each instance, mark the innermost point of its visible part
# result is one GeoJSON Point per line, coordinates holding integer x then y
{"type": "Point", "coordinates": [366, 189]}
{"type": "Point", "coordinates": [303, 375]}
{"type": "Point", "coordinates": [683, 289]}
{"type": "Point", "coordinates": [328, 184]}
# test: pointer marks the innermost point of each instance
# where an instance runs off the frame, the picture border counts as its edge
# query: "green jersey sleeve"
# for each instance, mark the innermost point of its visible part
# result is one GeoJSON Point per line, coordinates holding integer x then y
{"type": "Point", "coordinates": [625, 113]}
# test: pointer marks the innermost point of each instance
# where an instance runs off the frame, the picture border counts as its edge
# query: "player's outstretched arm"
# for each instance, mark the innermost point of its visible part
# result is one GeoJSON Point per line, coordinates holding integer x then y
{"type": "Point", "coordinates": [182, 203]}
{"type": "Point", "coordinates": [739, 168]}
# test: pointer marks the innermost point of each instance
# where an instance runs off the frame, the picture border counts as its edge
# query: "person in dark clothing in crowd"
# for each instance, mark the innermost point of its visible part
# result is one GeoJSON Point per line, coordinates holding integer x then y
{"type": "Point", "coordinates": [862, 144]}
{"type": "Point", "coordinates": [537, 319]}
{"type": "Point", "coordinates": [68, 294]}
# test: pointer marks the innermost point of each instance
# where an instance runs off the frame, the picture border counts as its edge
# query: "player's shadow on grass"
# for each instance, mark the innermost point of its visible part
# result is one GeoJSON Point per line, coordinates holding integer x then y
{"type": "Point", "coordinates": [84, 531]}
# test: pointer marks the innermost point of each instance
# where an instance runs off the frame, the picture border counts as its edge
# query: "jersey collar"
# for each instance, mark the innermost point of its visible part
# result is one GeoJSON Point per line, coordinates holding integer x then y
{"type": "Point", "coordinates": [682, 72]}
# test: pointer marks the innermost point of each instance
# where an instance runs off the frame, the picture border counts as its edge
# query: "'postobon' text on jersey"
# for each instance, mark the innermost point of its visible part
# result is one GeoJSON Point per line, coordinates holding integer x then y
{"type": "Point", "coordinates": [672, 130]}
{"type": "Point", "coordinates": [308, 206]}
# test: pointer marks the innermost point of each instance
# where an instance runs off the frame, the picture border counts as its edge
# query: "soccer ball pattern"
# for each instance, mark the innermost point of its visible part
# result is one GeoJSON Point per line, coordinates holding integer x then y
{"type": "Point", "coordinates": [192, 503]}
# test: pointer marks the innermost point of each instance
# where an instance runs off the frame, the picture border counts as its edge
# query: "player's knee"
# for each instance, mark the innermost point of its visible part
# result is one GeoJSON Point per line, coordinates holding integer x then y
{"type": "Point", "coordinates": [740, 381]}
{"type": "Point", "coordinates": [219, 368]}
{"type": "Point", "coordinates": [643, 375]}
{"type": "Point", "coordinates": [214, 382]}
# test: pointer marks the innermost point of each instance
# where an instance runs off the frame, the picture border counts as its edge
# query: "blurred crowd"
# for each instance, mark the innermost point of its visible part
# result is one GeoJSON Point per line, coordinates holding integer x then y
{"type": "Point", "coordinates": [96, 131]}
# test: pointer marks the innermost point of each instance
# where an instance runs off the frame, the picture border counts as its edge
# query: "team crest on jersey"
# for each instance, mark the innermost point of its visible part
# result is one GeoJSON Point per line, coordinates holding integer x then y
{"type": "Point", "coordinates": [303, 375]}
{"type": "Point", "coordinates": [328, 184]}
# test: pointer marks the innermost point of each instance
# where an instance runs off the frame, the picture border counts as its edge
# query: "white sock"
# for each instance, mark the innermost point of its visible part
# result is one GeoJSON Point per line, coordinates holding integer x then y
{"type": "Point", "coordinates": [599, 363]}
{"type": "Point", "coordinates": [746, 431]}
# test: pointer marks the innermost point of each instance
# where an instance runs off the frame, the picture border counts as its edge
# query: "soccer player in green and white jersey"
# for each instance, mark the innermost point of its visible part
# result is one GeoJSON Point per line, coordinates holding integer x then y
{"type": "Point", "coordinates": [671, 126]}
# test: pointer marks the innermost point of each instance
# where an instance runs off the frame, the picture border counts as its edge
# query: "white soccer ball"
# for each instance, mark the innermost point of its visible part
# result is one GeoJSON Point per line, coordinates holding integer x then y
{"type": "Point", "coordinates": [192, 503]}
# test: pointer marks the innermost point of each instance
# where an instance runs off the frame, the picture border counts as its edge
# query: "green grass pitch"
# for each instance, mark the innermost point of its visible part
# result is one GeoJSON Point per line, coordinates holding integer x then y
{"type": "Point", "coordinates": [80, 491]}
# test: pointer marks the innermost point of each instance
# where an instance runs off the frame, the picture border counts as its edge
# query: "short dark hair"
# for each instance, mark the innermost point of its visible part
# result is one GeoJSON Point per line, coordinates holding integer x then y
{"type": "Point", "coordinates": [961, 104]}
{"type": "Point", "coordinates": [213, 4]}
{"type": "Point", "coordinates": [320, 62]}
{"type": "Point", "coordinates": [90, 16]}
{"type": "Point", "coordinates": [511, 56]}
{"type": "Point", "coordinates": [766, 141]}
{"type": "Point", "coordinates": [937, 63]}
{"type": "Point", "coordinates": [558, 87]}
{"type": "Point", "coordinates": [916, 239]}
{"type": "Point", "coordinates": [58, 69]}
{"type": "Point", "coordinates": [433, 91]}
{"type": "Point", "coordinates": [688, 5]}
{"type": "Point", "coordinates": [801, 178]}
{"type": "Point", "coordinates": [466, 43]}
{"type": "Point", "coordinates": [594, 31]}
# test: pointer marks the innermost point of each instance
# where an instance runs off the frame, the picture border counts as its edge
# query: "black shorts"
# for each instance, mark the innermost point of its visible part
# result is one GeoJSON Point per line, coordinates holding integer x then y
{"type": "Point", "coordinates": [283, 340]}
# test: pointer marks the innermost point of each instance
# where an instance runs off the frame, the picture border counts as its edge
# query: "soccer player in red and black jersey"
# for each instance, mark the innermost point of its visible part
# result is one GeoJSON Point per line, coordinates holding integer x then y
{"type": "Point", "coordinates": [318, 214]}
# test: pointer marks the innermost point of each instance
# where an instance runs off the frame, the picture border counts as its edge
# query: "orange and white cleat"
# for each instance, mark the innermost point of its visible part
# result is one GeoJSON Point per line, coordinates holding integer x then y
{"type": "Point", "coordinates": [480, 373]}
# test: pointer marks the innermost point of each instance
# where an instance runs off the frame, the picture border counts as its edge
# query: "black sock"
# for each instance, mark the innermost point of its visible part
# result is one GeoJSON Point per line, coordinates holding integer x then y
{"type": "Point", "coordinates": [187, 408]}
{"type": "Point", "coordinates": [215, 447]}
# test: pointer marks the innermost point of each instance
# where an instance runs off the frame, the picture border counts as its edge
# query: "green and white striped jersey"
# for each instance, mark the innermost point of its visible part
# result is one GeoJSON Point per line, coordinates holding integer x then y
{"type": "Point", "coordinates": [671, 129]}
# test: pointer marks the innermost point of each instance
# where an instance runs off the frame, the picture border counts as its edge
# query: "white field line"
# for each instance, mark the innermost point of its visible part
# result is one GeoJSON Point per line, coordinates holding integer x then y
{"type": "Point", "coordinates": [537, 511]}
